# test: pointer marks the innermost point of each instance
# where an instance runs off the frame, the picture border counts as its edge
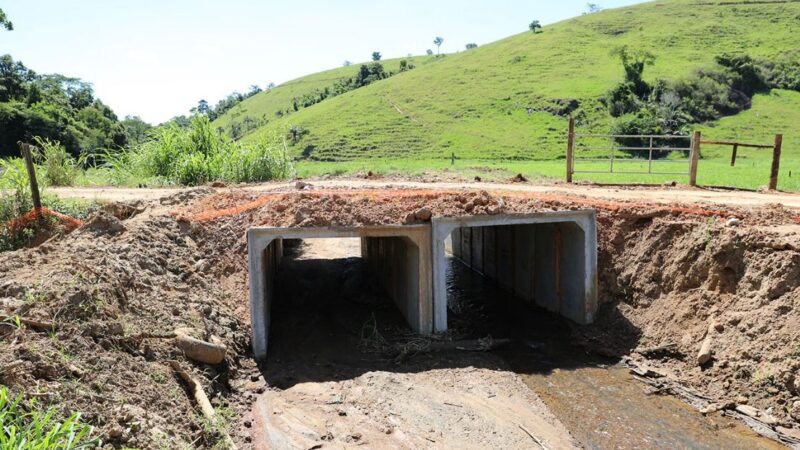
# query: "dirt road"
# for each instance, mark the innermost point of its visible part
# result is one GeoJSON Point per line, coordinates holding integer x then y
{"type": "Point", "coordinates": [662, 195]}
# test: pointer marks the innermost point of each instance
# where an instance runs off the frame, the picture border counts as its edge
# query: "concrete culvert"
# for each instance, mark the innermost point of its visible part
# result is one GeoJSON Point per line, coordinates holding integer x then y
{"type": "Point", "coordinates": [398, 258]}
{"type": "Point", "coordinates": [549, 259]}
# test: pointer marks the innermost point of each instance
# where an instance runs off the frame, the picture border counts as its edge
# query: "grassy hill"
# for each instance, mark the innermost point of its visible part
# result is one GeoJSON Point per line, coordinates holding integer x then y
{"type": "Point", "coordinates": [475, 103]}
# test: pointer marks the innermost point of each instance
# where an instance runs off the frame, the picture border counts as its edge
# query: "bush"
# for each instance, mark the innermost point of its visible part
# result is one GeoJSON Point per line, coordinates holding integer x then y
{"type": "Point", "coordinates": [198, 155]}
{"type": "Point", "coordinates": [24, 426]}
{"type": "Point", "coordinates": [57, 167]}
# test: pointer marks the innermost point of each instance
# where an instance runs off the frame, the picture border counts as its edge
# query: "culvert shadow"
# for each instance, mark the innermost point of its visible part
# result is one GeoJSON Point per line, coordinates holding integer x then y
{"type": "Point", "coordinates": [331, 321]}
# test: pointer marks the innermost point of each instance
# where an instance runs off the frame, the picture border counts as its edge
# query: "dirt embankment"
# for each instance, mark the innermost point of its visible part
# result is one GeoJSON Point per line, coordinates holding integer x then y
{"type": "Point", "coordinates": [107, 295]}
{"type": "Point", "coordinates": [672, 283]}
{"type": "Point", "coordinates": [667, 272]}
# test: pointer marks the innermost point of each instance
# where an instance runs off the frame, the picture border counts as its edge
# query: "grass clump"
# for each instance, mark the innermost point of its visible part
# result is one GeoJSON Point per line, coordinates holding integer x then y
{"type": "Point", "coordinates": [25, 426]}
{"type": "Point", "coordinates": [195, 155]}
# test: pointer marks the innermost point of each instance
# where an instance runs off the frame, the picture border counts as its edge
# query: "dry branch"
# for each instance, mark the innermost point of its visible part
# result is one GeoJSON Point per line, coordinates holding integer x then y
{"type": "Point", "coordinates": [202, 401]}
{"type": "Point", "coordinates": [33, 323]}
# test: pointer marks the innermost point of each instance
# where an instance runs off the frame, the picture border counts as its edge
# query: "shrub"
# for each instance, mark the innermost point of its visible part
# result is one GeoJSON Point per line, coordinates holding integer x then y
{"type": "Point", "coordinates": [58, 166]}
{"type": "Point", "coordinates": [24, 426]}
{"type": "Point", "coordinates": [198, 155]}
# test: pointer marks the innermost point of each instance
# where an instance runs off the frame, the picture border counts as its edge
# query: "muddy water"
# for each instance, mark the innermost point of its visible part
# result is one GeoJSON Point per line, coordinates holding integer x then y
{"type": "Point", "coordinates": [601, 404]}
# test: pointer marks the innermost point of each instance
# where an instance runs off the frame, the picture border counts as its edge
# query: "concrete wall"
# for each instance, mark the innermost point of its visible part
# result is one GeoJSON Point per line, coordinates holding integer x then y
{"type": "Point", "coordinates": [395, 261]}
{"type": "Point", "coordinates": [549, 259]}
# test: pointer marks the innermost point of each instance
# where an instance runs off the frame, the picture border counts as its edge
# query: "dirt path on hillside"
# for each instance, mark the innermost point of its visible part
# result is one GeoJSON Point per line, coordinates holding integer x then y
{"type": "Point", "coordinates": [661, 195]}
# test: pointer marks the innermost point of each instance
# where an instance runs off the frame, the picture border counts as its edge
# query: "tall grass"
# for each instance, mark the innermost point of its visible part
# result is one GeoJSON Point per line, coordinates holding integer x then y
{"type": "Point", "coordinates": [25, 426]}
{"type": "Point", "coordinates": [195, 155]}
{"type": "Point", "coordinates": [56, 167]}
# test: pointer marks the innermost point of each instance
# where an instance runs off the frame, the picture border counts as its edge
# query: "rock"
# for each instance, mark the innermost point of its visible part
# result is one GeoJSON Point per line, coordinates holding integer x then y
{"type": "Point", "coordinates": [795, 411]}
{"type": "Point", "coordinates": [748, 410]}
{"type": "Point", "coordinates": [742, 400]}
{"type": "Point", "coordinates": [218, 184]}
{"type": "Point", "coordinates": [733, 222]}
{"type": "Point", "coordinates": [116, 432]}
{"type": "Point", "coordinates": [478, 179]}
{"type": "Point", "coordinates": [704, 355]}
{"type": "Point", "coordinates": [719, 327]}
{"type": "Point", "coordinates": [103, 223]}
{"type": "Point", "coordinates": [670, 184]}
{"type": "Point", "coordinates": [131, 413]}
{"type": "Point", "coordinates": [424, 214]}
{"type": "Point", "coordinates": [115, 329]}
{"type": "Point", "coordinates": [300, 185]}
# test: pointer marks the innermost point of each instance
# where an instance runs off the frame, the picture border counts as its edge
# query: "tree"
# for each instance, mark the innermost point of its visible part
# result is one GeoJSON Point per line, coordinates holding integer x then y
{"type": "Point", "coordinates": [4, 22]}
{"type": "Point", "coordinates": [202, 107]}
{"type": "Point", "coordinates": [634, 63]}
{"type": "Point", "coordinates": [347, 63]}
{"type": "Point", "coordinates": [438, 43]}
{"type": "Point", "coordinates": [593, 8]}
{"type": "Point", "coordinates": [471, 45]}
{"type": "Point", "coordinates": [270, 86]}
{"type": "Point", "coordinates": [429, 52]}
{"type": "Point", "coordinates": [254, 89]}
{"type": "Point", "coordinates": [136, 129]}
{"type": "Point", "coordinates": [535, 26]}
{"type": "Point", "coordinates": [376, 56]}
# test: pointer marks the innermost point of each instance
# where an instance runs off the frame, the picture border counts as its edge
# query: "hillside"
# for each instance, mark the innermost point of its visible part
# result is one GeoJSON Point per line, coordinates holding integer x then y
{"type": "Point", "coordinates": [474, 103]}
{"type": "Point", "coordinates": [264, 106]}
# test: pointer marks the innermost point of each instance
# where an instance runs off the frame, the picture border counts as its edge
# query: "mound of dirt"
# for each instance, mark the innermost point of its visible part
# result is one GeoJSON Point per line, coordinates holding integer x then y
{"type": "Point", "coordinates": [103, 298]}
{"type": "Point", "coordinates": [674, 282]}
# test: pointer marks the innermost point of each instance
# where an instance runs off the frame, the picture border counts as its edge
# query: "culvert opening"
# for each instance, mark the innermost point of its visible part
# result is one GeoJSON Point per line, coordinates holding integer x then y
{"type": "Point", "coordinates": [544, 259]}
{"type": "Point", "coordinates": [300, 273]}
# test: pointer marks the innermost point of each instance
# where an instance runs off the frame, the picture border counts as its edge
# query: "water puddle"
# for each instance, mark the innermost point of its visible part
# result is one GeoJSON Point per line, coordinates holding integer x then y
{"type": "Point", "coordinates": [601, 404]}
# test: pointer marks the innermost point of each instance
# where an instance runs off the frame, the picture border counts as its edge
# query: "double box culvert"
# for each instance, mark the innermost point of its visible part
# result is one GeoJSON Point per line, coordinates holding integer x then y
{"type": "Point", "coordinates": [548, 258]}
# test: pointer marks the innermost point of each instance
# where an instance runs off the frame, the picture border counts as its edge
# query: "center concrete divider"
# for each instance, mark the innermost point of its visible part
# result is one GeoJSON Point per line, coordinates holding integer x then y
{"type": "Point", "coordinates": [549, 258]}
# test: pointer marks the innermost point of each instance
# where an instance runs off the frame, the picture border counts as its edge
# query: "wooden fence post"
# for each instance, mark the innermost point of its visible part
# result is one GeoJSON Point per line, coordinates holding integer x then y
{"type": "Point", "coordinates": [776, 162]}
{"type": "Point", "coordinates": [733, 155]}
{"type": "Point", "coordinates": [570, 149]}
{"type": "Point", "coordinates": [37, 201]}
{"type": "Point", "coordinates": [695, 158]}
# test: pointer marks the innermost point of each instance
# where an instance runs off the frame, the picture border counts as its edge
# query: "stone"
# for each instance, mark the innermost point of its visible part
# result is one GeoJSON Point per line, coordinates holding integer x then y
{"type": "Point", "coordinates": [748, 410]}
{"type": "Point", "coordinates": [795, 411]}
{"type": "Point", "coordinates": [423, 214]}
{"type": "Point", "coordinates": [733, 222]}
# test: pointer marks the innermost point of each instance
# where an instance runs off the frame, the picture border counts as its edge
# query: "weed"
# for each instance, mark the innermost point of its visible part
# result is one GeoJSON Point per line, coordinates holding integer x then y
{"type": "Point", "coordinates": [25, 426]}
{"type": "Point", "coordinates": [58, 166]}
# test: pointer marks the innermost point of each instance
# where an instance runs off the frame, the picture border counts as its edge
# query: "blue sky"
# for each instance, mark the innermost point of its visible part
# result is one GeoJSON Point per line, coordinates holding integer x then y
{"type": "Point", "coordinates": [157, 58]}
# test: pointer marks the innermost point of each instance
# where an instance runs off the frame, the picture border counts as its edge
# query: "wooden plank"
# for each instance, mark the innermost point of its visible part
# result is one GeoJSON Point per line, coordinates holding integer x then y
{"type": "Point", "coordinates": [37, 201]}
{"type": "Point", "coordinates": [776, 162]}
{"type": "Point", "coordinates": [695, 158]}
{"type": "Point", "coordinates": [740, 144]}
